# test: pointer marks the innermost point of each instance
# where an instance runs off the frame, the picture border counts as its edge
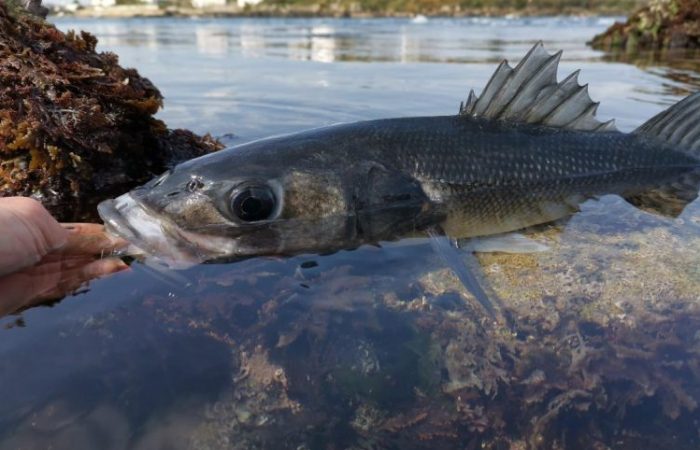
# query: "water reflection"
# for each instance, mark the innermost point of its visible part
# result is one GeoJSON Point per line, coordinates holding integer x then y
{"type": "Point", "coordinates": [316, 43]}
{"type": "Point", "coordinates": [465, 40]}
{"type": "Point", "coordinates": [681, 67]}
{"type": "Point", "coordinates": [443, 40]}
{"type": "Point", "coordinates": [268, 70]}
{"type": "Point", "coordinates": [252, 42]}
{"type": "Point", "coordinates": [212, 40]}
{"type": "Point", "coordinates": [267, 67]}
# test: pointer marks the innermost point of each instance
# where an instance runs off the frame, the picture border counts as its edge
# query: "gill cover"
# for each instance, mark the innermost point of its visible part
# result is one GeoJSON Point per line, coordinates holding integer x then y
{"type": "Point", "coordinates": [389, 204]}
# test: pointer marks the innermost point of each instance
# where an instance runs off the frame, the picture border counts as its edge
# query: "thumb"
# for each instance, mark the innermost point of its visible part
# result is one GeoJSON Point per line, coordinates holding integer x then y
{"type": "Point", "coordinates": [29, 232]}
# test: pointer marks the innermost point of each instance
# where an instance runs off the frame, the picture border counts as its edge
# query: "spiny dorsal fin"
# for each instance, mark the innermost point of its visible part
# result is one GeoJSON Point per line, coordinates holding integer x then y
{"type": "Point", "coordinates": [530, 93]}
{"type": "Point", "coordinates": [678, 125]}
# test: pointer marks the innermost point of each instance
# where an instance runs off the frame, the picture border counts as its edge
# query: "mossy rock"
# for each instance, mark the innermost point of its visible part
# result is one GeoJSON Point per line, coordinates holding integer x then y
{"type": "Point", "coordinates": [660, 25]}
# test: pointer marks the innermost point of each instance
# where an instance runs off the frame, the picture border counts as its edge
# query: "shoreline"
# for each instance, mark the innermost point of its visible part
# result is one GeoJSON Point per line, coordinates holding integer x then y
{"type": "Point", "coordinates": [316, 11]}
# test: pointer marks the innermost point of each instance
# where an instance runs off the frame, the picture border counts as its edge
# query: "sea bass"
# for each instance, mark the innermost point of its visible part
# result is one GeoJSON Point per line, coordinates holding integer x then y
{"type": "Point", "coordinates": [527, 151]}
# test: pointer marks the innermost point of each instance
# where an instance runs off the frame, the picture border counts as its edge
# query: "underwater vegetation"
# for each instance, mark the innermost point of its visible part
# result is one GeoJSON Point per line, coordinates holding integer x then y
{"type": "Point", "coordinates": [75, 126]}
{"type": "Point", "coordinates": [598, 344]}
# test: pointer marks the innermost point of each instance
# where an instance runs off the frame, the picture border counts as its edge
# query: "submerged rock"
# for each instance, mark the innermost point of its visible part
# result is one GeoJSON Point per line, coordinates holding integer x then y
{"type": "Point", "coordinates": [662, 24]}
{"type": "Point", "coordinates": [75, 126]}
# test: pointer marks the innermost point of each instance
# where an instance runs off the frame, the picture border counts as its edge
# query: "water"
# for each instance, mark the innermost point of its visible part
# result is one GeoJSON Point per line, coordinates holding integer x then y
{"type": "Point", "coordinates": [377, 347]}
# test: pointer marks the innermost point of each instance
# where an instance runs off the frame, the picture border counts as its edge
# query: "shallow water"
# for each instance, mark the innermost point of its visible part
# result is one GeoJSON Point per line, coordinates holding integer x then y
{"type": "Point", "coordinates": [377, 347]}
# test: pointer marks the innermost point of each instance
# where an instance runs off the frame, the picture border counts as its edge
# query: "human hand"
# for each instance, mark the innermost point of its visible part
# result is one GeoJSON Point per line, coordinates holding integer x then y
{"type": "Point", "coordinates": [69, 254]}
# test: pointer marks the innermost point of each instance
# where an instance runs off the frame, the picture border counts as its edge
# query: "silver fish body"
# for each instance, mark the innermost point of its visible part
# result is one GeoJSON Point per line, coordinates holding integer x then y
{"type": "Point", "coordinates": [472, 174]}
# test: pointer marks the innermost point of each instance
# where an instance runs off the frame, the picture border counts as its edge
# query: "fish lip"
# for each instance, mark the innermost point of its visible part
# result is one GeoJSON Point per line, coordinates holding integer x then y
{"type": "Point", "coordinates": [115, 214]}
{"type": "Point", "coordinates": [116, 223]}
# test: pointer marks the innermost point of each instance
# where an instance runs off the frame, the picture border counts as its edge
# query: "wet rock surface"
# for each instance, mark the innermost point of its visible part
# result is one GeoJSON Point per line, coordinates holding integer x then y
{"type": "Point", "coordinates": [75, 126]}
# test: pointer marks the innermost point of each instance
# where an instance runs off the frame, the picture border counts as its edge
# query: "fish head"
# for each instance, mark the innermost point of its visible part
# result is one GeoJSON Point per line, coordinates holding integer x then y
{"type": "Point", "coordinates": [241, 203]}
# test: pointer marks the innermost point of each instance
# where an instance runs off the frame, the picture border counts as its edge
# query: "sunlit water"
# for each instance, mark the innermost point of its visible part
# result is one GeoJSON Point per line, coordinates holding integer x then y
{"type": "Point", "coordinates": [378, 347]}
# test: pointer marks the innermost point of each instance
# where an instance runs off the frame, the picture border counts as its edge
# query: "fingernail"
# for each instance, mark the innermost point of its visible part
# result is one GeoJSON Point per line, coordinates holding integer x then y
{"type": "Point", "coordinates": [115, 241]}
{"type": "Point", "coordinates": [59, 243]}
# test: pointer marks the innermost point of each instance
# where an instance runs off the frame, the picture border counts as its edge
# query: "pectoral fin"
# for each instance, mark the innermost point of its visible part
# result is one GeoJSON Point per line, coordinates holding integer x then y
{"type": "Point", "coordinates": [504, 243]}
{"type": "Point", "coordinates": [454, 258]}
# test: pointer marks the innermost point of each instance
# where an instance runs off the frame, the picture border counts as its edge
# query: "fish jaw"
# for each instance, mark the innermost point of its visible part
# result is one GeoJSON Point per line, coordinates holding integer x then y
{"type": "Point", "coordinates": [157, 236]}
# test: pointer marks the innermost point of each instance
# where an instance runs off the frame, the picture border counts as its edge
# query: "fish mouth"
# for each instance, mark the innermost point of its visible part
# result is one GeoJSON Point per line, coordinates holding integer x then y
{"type": "Point", "coordinates": [150, 233]}
{"type": "Point", "coordinates": [158, 237]}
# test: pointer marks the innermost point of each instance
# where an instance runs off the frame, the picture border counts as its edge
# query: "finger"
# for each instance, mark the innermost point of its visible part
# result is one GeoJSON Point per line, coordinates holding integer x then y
{"type": "Point", "coordinates": [67, 262]}
{"type": "Point", "coordinates": [90, 239]}
{"type": "Point", "coordinates": [103, 267]}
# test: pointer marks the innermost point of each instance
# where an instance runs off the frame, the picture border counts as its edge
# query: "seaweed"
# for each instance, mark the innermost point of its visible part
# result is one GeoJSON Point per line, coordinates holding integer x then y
{"type": "Point", "coordinates": [75, 126]}
{"type": "Point", "coordinates": [602, 347]}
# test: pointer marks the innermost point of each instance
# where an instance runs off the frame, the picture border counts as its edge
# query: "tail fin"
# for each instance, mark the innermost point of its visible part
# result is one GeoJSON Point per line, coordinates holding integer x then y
{"type": "Point", "coordinates": [678, 126]}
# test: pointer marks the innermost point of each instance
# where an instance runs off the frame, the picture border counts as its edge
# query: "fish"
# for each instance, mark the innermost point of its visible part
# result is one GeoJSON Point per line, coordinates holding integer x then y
{"type": "Point", "coordinates": [528, 150]}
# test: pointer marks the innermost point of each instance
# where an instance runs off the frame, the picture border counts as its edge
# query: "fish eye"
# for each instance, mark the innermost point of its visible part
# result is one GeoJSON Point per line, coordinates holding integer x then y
{"type": "Point", "coordinates": [253, 203]}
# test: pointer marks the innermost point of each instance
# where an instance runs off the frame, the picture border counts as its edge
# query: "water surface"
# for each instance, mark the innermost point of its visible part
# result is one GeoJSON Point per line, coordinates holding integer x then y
{"type": "Point", "coordinates": [256, 77]}
{"type": "Point", "coordinates": [377, 347]}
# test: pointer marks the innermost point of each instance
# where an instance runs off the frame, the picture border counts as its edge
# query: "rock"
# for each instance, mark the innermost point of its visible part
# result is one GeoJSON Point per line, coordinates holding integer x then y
{"type": "Point", "coordinates": [26, 8]}
{"type": "Point", "coordinates": [75, 126]}
{"type": "Point", "coordinates": [663, 24]}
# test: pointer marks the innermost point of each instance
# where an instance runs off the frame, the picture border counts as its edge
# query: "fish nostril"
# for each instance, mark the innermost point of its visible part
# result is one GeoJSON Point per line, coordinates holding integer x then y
{"type": "Point", "coordinates": [172, 194]}
{"type": "Point", "coordinates": [161, 178]}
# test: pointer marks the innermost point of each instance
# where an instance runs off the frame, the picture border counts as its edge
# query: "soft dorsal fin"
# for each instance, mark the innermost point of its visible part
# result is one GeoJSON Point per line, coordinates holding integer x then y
{"type": "Point", "coordinates": [678, 125]}
{"type": "Point", "coordinates": [530, 93]}
{"type": "Point", "coordinates": [679, 128]}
